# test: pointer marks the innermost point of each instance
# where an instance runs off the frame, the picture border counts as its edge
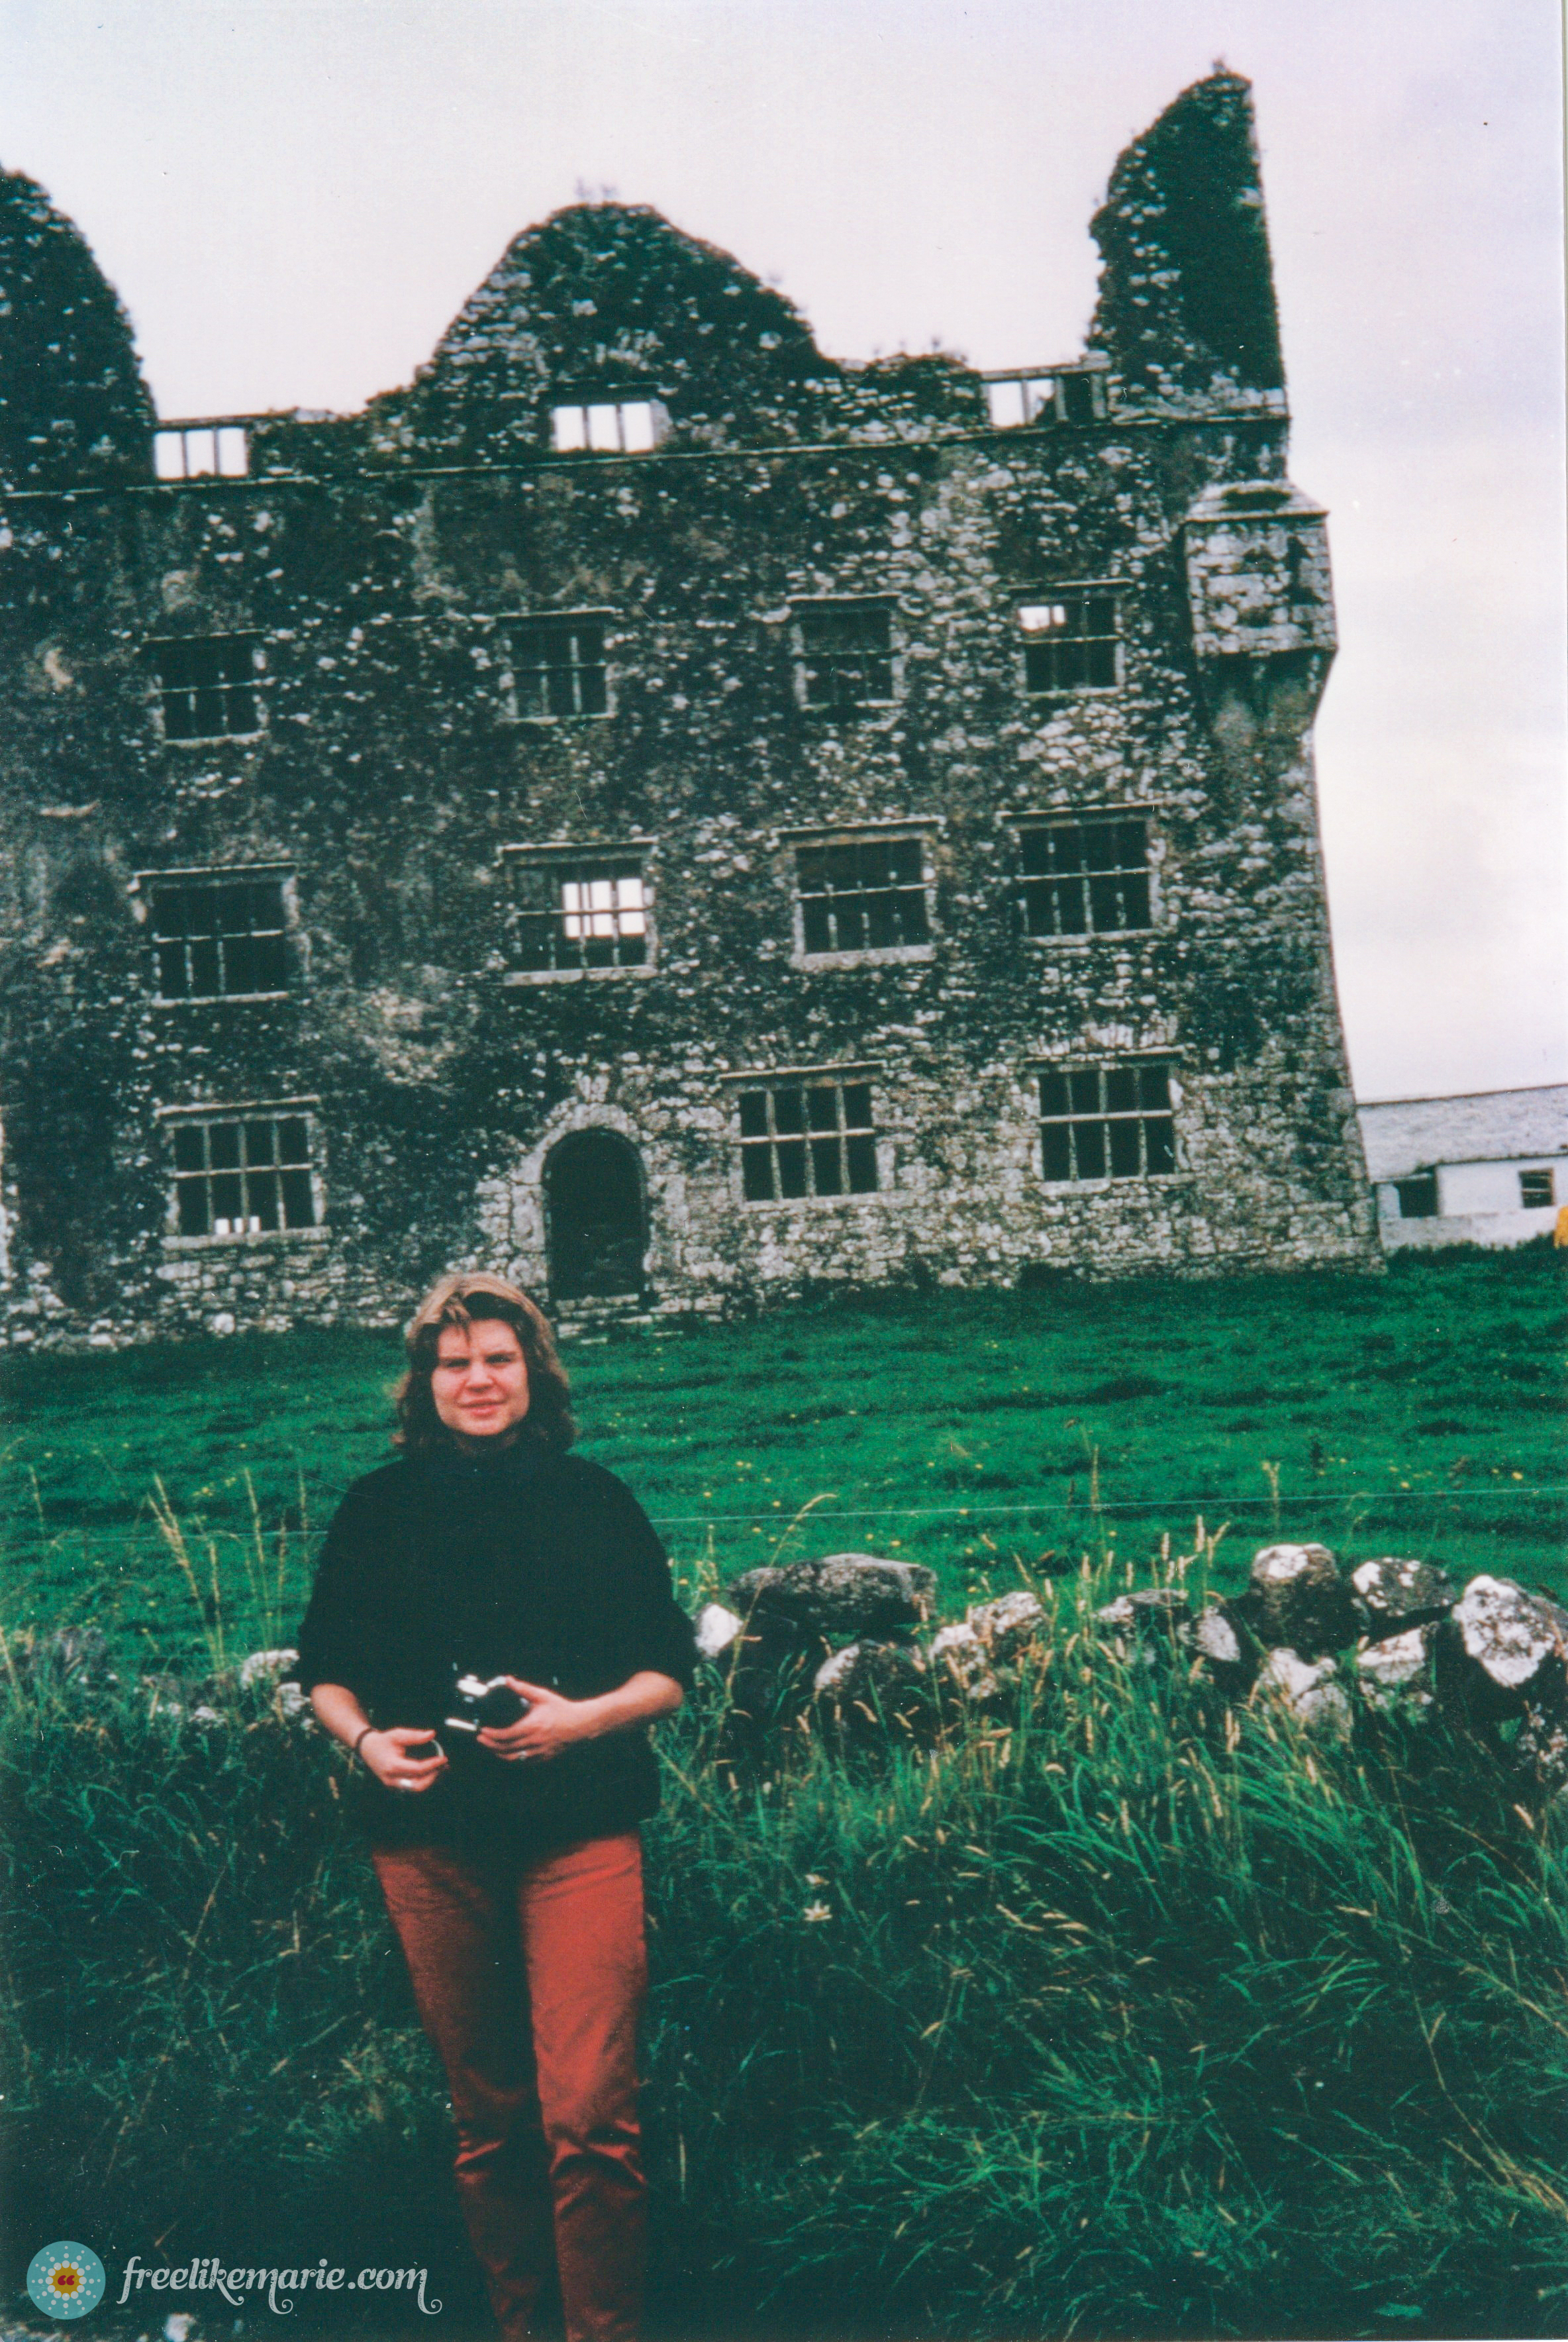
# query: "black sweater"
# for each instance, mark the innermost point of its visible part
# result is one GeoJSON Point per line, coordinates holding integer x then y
{"type": "Point", "coordinates": [528, 1564]}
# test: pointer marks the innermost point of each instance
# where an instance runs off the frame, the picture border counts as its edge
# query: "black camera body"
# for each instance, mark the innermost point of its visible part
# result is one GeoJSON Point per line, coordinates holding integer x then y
{"type": "Point", "coordinates": [476, 1704]}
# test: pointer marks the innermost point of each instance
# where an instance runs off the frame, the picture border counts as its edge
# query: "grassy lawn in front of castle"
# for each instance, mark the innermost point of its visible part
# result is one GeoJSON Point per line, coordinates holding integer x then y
{"type": "Point", "coordinates": [1420, 1412]}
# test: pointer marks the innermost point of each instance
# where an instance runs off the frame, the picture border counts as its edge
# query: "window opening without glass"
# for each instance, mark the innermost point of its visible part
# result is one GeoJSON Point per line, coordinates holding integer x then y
{"type": "Point", "coordinates": [846, 654]}
{"type": "Point", "coordinates": [1069, 643]}
{"type": "Point", "coordinates": [197, 451]}
{"type": "Point", "coordinates": [1417, 1195]}
{"type": "Point", "coordinates": [1070, 395]}
{"type": "Point", "coordinates": [1085, 877]}
{"type": "Point", "coordinates": [806, 1138]}
{"type": "Point", "coordinates": [581, 912]}
{"type": "Point", "coordinates": [609, 426]}
{"type": "Point", "coordinates": [242, 1175]}
{"type": "Point", "coordinates": [868, 895]}
{"type": "Point", "coordinates": [1107, 1122]}
{"type": "Point", "coordinates": [207, 686]}
{"type": "Point", "coordinates": [1536, 1188]}
{"type": "Point", "coordinates": [218, 937]}
{"type": "Point", "coordinates": [558, 667]}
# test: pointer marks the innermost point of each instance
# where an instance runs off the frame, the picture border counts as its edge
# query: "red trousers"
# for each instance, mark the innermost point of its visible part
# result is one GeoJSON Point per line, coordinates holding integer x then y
{"type": "Point", "coordinates": [530, 1979]}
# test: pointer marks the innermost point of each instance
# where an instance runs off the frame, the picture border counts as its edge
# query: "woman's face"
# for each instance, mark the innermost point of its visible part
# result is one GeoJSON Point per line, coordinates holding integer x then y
{"type": "Point", "coordinates": [480, 1380]}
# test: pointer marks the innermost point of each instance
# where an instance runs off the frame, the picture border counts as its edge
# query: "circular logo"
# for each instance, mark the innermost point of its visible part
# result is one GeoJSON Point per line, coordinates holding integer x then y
{"type": "Point", "coordinates": [66, 2280]}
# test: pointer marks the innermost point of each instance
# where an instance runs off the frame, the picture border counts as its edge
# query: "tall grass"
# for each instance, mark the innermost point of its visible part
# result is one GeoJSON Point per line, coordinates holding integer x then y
{"type": "Point", "coordinates": [1116, 2012]}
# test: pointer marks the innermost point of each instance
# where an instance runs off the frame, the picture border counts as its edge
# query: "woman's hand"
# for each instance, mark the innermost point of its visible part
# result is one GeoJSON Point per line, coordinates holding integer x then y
{"type": "Point", "coordinates": [551, 1723]}
{"type": "Point", "coordinates": [397, 1758]}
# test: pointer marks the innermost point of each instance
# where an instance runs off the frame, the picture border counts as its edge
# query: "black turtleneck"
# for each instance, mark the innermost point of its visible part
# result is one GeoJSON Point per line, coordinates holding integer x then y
{"type": "Point", "coordinates": [521, 1562]}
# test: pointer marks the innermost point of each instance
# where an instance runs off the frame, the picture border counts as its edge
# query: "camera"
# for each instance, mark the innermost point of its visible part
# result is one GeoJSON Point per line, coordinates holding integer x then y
{"type": "Point", "coordinates": [476, 1704]}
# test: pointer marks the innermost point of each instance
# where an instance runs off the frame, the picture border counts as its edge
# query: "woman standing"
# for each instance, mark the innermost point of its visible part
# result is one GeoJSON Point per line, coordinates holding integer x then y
{"type": "Point", "coordinates": [509, 1856]}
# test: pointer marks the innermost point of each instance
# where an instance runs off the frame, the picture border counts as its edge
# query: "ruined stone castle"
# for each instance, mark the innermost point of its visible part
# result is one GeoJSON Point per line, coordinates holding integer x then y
{"type": "Point", "coordinates": [662, 811]}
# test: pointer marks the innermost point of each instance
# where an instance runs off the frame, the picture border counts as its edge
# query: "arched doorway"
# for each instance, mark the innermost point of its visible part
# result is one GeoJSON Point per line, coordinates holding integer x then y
{"type": "Point", "coordinates": [595, 1220]}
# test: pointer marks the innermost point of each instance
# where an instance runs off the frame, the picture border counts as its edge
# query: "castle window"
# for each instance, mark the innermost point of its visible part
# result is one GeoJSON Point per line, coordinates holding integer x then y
{"type": "Point", "coordinates": [1071, 395]}
{"type": "Point", "coordinates": [200, 451]}
{"type": "Point", "coordinates": [1107, 1122]}
{"type": "Point", "coordinates": [806, 1138]}
{"type": "Point", "coordinates": [865, 895]}
{"type": "Point", "coordinates": [219, 934]}
{"type": "Point", "coordinates": [207, 686]}
{"type": "Point", "coordinates": [609, 426]}
{"type": "Point", "coordinates": [558, 669]}
{"type": "Point", "coordinates": [1536, 1190]}
{"type": "Point", "coordinates": [580, 912]}
{"type": "Point", "coordinates": [242, 1175]}
{"type": "Point", "coordinates": [845, 654]}
{"type": "Point", "coordinates": [1085, 877]}
{"type": "Point", "coordinates": [1070, 643]}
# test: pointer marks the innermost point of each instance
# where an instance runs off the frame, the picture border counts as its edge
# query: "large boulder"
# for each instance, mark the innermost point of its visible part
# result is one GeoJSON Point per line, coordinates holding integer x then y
{"type": "Point", "coordinates": [1502, 1647]}
{"type": "Point", "coordinates": [1392, 1595]}
{"type": "Point", "coordinates": [978, 1653]}
{"type": "Point", "coordinates": [1296, 1600]}
{"type": "Point", "coordinates": [1309, 1692]}
{"type": "Point", "coordinates": [868, 1687]}
{"type": "Point", "coordinates": [854, 1594]}
{"type": "Point", "coordinates": [1225, 1647]}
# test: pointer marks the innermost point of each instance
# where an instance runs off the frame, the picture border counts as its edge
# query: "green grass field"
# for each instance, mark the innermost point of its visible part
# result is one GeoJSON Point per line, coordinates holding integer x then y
{"type": "Point", "coordinates": [1421, 1412]}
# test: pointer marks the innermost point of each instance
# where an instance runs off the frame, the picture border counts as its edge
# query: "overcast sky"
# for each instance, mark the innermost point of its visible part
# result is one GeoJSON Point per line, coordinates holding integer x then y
{"type": "Point", "coordinates": [294, 197]}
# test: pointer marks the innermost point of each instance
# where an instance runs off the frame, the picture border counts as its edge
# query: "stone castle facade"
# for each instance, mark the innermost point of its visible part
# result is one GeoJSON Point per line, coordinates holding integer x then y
{"type": "Point", "coordinates": [661, 813]}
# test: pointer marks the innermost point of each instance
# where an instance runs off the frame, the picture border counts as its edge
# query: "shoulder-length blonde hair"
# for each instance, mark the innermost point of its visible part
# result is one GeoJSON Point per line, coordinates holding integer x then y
{"type": "Point", "coordinates": [471, 1297]}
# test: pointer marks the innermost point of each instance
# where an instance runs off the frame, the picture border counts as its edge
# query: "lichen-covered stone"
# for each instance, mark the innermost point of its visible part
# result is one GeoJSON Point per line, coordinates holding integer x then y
{"type": "Point", "coordinates": [979, 1653]}
{"type": "Point", "coordinates": [717, 1630]}
{"type": "Point", "coordinates": [843, 1593]}
{"type": "Point", "coordinates": [1296, 1600]}
{"type": "Point", "coordinates": [1391, 1593]}
{"type": "Point", "coordinates": [1396, 1671]}
{"type": "Point", "coordinates": [1501, 1647]}
{"type": "Point", "coordinates": [1309, 1692]}
{"type": "Point", "coordinates": [868, 1688]}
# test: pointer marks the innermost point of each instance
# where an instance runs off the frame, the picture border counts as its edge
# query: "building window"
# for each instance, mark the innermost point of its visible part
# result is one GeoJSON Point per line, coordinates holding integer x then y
{"type": "Point", "coordinates": [558, 667]}
{"type": "Point", "coordinates": [1073, 395]}
{"type": "Point", "coordinates": [807, 1138]}
{"type": "Point", "coordinates": [609, 426]}
{"type": "Point", "coordinates": [868, 895]}
{"type": "Point", "coordinates": [219, 934]}
{"type": "Point", "coordinates": [242, 1175]}
{"type": "Point", "coordinates": [1107, 1122]}
{"type": "Point", "coordinates": [1070, 644]}
{"type": "Point", "coordinates": [1086, 877]}
{"type": "Point", "coordinates": [207, 686]}
{"type": "Point", "coordinates": [200, 451]}
{"type": "Point", "coordinates": [846, 654]}
{"type": "Point", "coordinates": [581, 912]}
{"type": "Point", "coordinates": [1417, 1197]}
{"type": "Point", "coordinates": [1537, 1189]}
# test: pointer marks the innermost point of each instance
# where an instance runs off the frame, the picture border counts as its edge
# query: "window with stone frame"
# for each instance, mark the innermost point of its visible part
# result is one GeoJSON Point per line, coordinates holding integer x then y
{"type": "Point", "coordinates": [1107, 1122]}
{"type": "Point", "coordinates": [1537, 1189]}
{"type": "Point", "coordinates": [1084, 877]}
{"type": "Point", "coordinates": [243, 1172]}
{"type": "Point", "coordinates": [865, 894]}
{"type": "Point", "coordinates": [578, 911]}
{"type": "Point", "coordinates": [607, 426]}
{"type": "Point", "coordinates": [218, 934]}
{"type": "Point", "coordinates": [845, 654]}
{"type": "Point", "coordinates": [806, 1137]}
{"type": "Point", "coordinates": [1071, 639]}
{"type": "Point", "coordinates": [208, 686]}
{"type": "Point", "coordinates": [557, 667]}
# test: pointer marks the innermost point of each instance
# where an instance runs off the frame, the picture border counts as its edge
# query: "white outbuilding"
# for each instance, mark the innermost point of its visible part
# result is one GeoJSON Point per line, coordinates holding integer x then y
{"type": "Point", "coordinates": [1491, 1169]}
